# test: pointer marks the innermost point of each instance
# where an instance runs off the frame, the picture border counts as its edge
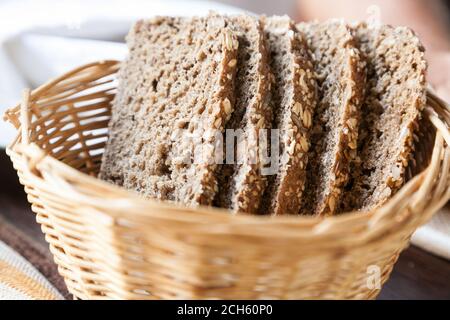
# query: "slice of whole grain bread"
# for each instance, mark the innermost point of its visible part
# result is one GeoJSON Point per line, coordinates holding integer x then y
{"type": "Point", "coordinates": [340, 74]}
{"type": "Point", "coordinates": [241, 184]}
{"type": "Point", "coordinates": [396, 95]}
{"type": "Point", "coordinates": [176, 84]}
{"type": "Point", "coordinates": [294, 98]}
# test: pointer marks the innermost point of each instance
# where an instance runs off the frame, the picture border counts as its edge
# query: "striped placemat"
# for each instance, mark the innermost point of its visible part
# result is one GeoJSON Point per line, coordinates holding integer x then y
{"type": "Point", "coordinates": [27, 270]}
{"type": "Point", "coordinates": [20, 280]}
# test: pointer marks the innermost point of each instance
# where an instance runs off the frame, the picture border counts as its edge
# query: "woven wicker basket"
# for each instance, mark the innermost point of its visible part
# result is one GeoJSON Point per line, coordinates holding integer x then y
{"type": "Point", "coordinates": [109, 243]}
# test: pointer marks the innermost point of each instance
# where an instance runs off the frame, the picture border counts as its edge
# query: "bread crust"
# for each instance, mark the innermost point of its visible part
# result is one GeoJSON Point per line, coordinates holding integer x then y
{"type": "Point", "coordinates": [340, 71]}
{"type": "Point", "coordinates": [242, 184]}
{"type": "Point", "coordinates": [294, 98]}
{"type": "Point", "coordinates": [396, 96]}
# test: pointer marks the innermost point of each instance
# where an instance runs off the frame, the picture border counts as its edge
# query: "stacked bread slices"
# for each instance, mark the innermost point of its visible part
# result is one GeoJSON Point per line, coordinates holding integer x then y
{"type": "Point", "coordinates": [343, 99]}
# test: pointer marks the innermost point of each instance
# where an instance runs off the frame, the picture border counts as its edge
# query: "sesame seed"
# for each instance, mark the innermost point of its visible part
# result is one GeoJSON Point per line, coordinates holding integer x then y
{"type": "Point", "coordinates": [260, 123]}
{"type": "Point", "coordinates": [301, 165]}
{"type": "Point", "coordinates": [228, 39]}
{"type": "Point", "coordinates": [201, 55]}
{"type": "Point", "coordinates": [235, 44]}
{"type": "Point", "coordinates": [332, 203]}
{"type": "Point", "coordinates": [304, 144]}
{"type": "Point", "coordinates": [352, 145]}
{"type": "Point", "coordinates": [232, 63]}
{"type": "Point", "coordinates": [291, 149]}
{"type": "Point", "coordinates": [352, 123]}
{"type": "Point", "coordinates": [227, 106]}
{"type": "Point", "coordinates": [307, 119]}
{"type": "Point", "coordinates": [297, 108]}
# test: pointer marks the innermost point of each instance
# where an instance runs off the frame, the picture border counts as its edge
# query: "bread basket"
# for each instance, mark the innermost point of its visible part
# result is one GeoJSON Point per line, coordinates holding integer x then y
{"type": "Point", "coordinates": [111, 244]}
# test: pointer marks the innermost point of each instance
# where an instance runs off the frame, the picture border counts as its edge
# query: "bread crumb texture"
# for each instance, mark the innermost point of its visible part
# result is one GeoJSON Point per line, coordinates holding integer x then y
{"type": "Point", "coordinates": [179, 75]}
{"type": "Point", "coordinates": [396, 95]}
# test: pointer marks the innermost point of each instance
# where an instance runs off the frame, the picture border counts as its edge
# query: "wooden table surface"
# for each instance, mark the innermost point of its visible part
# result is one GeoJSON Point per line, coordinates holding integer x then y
{"type": "Point", "coordinates": [417, 274]}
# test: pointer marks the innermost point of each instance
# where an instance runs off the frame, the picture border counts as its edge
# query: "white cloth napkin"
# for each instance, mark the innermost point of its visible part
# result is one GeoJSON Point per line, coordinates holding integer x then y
{"type": "Point", "coordinates": [19, 280]}
{"type": "Point", "coordinates": [435, 236]}
{"type": "Point", "coordinates": [42, 39]}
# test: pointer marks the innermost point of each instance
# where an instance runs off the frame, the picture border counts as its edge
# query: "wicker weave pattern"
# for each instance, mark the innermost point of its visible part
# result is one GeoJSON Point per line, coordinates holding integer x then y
{"type": "Point", "coordinates": [109, 243]}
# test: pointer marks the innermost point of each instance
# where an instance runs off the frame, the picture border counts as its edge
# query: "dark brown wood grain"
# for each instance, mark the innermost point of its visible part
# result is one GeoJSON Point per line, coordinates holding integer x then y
{"type": "Point", "coordinates": [417, 274]}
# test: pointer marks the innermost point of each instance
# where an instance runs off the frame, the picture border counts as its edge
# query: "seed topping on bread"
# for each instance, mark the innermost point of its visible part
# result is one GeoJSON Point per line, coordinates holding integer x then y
{"type": "Point", "coordinates": [396, 95]}
{"type": "Point", "coordinates": [340, 72]}
{"type": "Point", "coordinates": [294, 94]}
{"type": "Point", "coordinates": [242, 183]}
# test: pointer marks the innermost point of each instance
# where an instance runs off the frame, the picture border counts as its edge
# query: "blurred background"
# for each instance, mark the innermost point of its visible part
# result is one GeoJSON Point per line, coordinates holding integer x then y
{"type": "Point", "coordinates": [41, 39]}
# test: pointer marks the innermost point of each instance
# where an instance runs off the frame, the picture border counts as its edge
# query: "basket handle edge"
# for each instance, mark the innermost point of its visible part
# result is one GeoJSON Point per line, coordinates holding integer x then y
{"type": "Point", "coordinates": [25, 116]}
{"type": "Point", "coordinates": [11, 114]}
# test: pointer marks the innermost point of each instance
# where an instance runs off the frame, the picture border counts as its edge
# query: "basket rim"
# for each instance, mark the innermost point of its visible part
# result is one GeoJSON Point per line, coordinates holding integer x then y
{"type": "Point", "coordinates": [122, 202]}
